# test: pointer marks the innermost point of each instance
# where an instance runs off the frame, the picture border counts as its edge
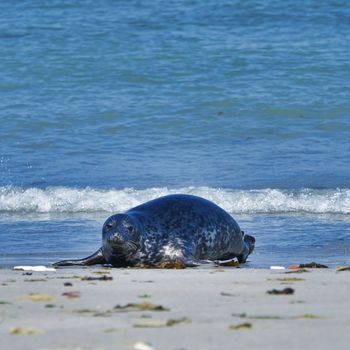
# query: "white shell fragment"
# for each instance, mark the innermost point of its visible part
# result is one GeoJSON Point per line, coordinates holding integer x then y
{"type": "Point", "coordinates": [34, 268]}
{"type": "Point", "coordinates": [140, 345]}
{"type": "Point", "coordinates": [277, 268]}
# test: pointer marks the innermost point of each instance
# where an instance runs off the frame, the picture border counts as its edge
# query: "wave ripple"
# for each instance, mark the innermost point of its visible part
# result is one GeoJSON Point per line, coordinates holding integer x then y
{"type": "Point", "coordinates": [75, 200]}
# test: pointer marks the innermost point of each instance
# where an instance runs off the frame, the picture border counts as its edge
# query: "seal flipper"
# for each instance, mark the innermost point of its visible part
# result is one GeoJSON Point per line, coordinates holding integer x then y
{"type": "Point", "coordinates": [228, 262]}
{"type": "Point", "coordinates": [214, 263]}
{"type": "Point", "coordinates": [249, 248]}
{"type": "Point", "coordinates": [191, 262]}
{"type": "Point", "coordinates": [94, 259]}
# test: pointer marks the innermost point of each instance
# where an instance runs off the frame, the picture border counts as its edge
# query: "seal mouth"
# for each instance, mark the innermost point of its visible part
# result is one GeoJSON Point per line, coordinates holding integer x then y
{"type": "Point", "coordinates": [122, 247]}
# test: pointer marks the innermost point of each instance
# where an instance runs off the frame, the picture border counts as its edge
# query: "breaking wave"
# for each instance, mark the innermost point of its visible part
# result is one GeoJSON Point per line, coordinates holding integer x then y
{"type": "Point", "coordinates": [75, 200]}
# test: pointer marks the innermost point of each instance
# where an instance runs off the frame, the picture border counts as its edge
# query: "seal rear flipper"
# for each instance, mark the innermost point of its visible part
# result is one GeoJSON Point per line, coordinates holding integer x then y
{"type": "Point", "coordinates": [229, 262]}
{"type": "Point", "coordinates": [214, 263]}
{"type": "Point", "coordinates": [191, 262]}
{"type": "Point", "coordinates": [248, 249]}
{"type": "Point", "coordinates": [250, 240]}
{"type": "Point", "coordinates": [94, 259]}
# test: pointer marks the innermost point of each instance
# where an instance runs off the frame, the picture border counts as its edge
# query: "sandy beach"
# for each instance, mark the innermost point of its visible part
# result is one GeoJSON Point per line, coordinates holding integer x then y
{"type": "Point", "coordinates": [206, 308]}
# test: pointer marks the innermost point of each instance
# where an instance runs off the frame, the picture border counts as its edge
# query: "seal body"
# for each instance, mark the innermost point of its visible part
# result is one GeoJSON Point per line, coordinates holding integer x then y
{"type": "Point", "coordinates": [171, 228]}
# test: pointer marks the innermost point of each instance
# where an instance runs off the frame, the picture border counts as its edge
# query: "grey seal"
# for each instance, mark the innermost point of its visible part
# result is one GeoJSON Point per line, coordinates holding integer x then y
{"type": "Point", "coordinates": [177, 227]}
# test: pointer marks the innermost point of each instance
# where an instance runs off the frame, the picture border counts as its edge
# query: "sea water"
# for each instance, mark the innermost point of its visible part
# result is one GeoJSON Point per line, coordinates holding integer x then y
{"type": "Point", "coordinates": [107, 104]}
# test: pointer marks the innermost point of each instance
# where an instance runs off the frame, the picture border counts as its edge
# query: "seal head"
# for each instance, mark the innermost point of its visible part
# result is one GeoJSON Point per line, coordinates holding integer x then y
{"type": "Point", "coordinates": [121, 236]}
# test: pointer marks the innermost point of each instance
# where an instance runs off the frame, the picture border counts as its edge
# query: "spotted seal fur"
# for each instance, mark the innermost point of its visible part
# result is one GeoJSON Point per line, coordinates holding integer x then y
{"type": "Point", "coordinates": [172, 228]}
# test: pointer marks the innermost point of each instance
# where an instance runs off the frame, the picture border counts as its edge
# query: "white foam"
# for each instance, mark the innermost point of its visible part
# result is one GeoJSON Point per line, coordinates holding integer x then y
{"type": "Point", "coordinates": [74, 200]}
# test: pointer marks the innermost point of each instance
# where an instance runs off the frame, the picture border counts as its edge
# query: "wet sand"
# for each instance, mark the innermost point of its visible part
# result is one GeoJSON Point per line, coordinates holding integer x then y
{"type": "Point", "coordinates": [195, 309]}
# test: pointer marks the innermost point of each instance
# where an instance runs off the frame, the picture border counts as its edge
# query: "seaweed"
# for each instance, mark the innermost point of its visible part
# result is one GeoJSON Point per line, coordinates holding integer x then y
{"type": "Point", "coordinates": [102, 278]}
{"type": "Point", "coordinates": [153, 324]}
{"type": "Point", "coordinates": [224, 294]}
{"type": "Point", "coordinates": [144, 306]}
{"type": "Point", "coordinates": [240, 326]}
{"type": "Point", "coordinates": [160, 324]}
{"type": "Point", "coordinates": [172, 322]}
{"type": "Point", "coordinates": [144, 296]}
{"type": "Point", "coordinates": [36, 297]}
{"type": "Point", "coordinates": [84, 311]}
{"type": "Point", "coordinates": [94, 313]}
{"type": "Point", "coordinates": [313, 265]}
{"type": "Point", "coordinates": [273, 317]}
{"type": "Point", "coordinates": [285, 291]}
{"type": "Point", "coordinates": [266, 317]}
{"type": "Point", "coordinates": [36, 280]}
{"type": "Point", "coordinates": [25, 331]}
{"type": "Point", "coordinates": [290, 279]}
{"type": "Point", "coordinates": [71, 295]}
{"type": "Point", "coordinates": [101, 272]}
{"type": "Point", "coordinates": [242, 315]}
{"type": "Point", "coordinates": [308, 317]}
{"type": "Point", "coordinates": [145, 281]}
{"type": "Point", "coordinates": [259, 317]}
{"type": "Point", "coordinates": [66, 277]}
{"type": "Point", "coordinates": [177, 264]}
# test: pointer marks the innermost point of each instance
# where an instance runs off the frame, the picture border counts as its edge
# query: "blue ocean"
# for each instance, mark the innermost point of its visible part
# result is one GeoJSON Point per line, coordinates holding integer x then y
{"type": "Point", "coordinates": [107, 104]}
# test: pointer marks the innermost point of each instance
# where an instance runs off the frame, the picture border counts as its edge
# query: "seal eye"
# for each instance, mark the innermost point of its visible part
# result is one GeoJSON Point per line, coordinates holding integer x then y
{"type": "Point", "coordinates": [109, 225]}
{"type": "Point", "coordinates": [130, 229]}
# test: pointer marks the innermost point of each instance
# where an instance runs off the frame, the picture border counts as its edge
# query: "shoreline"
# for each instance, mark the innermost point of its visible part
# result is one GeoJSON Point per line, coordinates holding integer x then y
{"type": "Point", "coordinates": [205, 308]}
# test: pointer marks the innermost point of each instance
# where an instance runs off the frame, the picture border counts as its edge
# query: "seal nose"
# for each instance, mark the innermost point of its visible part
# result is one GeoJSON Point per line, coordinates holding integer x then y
{"type": "Point", "coordinates": [115, 239]}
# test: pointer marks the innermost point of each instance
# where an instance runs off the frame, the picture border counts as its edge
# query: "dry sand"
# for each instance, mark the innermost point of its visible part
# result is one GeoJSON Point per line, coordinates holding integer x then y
{"type": "Point", "coordinates": [203, 308]}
